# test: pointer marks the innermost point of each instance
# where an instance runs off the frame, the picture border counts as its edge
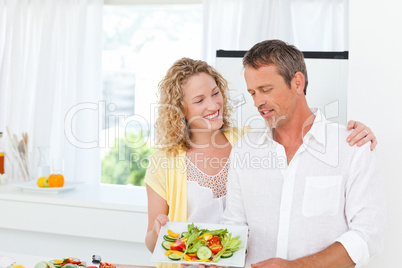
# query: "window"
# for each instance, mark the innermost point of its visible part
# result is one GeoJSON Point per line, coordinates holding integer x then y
{"type": "Point", "coordinates": [140, 44]}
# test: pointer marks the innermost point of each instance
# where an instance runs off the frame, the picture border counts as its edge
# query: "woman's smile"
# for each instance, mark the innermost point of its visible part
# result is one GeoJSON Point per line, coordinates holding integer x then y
{"type": "Point", "coordinates": [212, 116]}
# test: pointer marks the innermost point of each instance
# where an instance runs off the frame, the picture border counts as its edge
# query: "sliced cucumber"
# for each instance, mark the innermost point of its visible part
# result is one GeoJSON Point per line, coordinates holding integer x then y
{"type": "Point", "coordinates": [174, 257]}
{"type": "Point", "coordinates": [166, 244]}
{"type": "Point", "coordinates": [169, 238]}
{"type": "Point", "coordinates": [184, 234]}
{"type": "Point", "coordinates": [70, 265]}
{"type": "Point", "coordinates": [204, 253]}
{"type": "Point", "coordinates": [227, 254]}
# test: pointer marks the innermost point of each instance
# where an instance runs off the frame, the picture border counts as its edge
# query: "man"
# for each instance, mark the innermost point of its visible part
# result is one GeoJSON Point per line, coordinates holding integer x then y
{"type": "Point", "coordinates": [308, 198]}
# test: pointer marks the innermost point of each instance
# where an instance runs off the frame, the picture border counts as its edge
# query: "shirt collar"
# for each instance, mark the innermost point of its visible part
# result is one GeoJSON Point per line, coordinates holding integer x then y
{"type": "Point", "coordinates": [266, 137]}
{"type": "Point", "coordinates": [317, 130]}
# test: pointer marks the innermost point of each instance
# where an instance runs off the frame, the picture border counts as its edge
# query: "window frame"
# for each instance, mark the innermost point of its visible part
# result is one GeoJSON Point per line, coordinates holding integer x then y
{"type": "Point", "coordinates": [141, 3]}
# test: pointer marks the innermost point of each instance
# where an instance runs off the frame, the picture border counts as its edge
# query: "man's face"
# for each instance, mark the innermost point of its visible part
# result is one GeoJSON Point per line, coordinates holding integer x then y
{"type": "Point", "coordinates": [276, 102]}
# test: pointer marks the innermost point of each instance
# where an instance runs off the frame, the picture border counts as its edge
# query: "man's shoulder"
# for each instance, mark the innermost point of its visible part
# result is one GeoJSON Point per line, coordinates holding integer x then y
{"type": "Point", "coordinates": [342, 134]}
{"type": "Point", "coordinates": [339, 128]}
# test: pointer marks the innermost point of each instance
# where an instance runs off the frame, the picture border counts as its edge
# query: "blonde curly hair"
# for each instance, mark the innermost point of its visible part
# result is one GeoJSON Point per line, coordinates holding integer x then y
{"type": "Point", "coordinates": [172, 129]}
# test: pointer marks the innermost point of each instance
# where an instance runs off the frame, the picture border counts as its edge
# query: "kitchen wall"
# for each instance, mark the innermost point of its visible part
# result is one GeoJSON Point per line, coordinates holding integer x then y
{"type": "Point", "coordinates": [375, 99]}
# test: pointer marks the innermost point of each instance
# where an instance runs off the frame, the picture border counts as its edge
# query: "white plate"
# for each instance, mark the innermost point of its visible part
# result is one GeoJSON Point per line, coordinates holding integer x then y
{"type": "Point", "coordinates": [32, 187]}
{"type": "Point", "coordinates": [6, 261]}
{"type": "Point", "coordinates": [237, 260]}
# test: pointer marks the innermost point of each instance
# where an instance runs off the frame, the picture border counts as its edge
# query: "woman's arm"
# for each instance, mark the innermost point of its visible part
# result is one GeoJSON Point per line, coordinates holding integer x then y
{"type": "Point", "coordinates": [158, 210]}
{"type": "Point", "coordinates": [361, 134]}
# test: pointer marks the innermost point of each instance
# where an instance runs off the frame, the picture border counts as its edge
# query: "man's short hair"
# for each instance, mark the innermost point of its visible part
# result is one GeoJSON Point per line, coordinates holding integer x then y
{"type": "Point", "coordinates": [287, 59]}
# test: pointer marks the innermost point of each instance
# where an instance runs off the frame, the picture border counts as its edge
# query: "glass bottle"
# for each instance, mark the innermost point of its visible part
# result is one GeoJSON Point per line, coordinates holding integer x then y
{"type": "Point", "coordinates": [43, 169]}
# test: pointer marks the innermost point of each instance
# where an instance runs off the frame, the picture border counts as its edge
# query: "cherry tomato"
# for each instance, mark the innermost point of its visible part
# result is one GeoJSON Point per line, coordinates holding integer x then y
{"type": "Point", "coordinates": [175, 246]}
{"type": "Point", "coordinates": [180, 244]}
{"type": "Point", "coordinates": [215, 248]}
{"type": "Point", "coordinates": [214, 241]}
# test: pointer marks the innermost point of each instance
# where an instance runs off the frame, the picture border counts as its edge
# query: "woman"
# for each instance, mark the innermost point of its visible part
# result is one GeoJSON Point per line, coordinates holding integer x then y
{"type": "Point", "coordinates": [186, 178]}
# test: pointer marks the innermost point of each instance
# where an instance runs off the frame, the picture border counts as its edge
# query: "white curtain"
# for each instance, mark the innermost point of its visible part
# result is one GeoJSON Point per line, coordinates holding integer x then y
{"type": "Point", "coordinates": [310, 25]}
{"type": "Point", "coordinates": [50, 62]}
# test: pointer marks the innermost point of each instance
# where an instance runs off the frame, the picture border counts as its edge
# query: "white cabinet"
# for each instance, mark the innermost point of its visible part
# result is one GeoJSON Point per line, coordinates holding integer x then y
{"type": "Point", "coordinates": [106, 220]}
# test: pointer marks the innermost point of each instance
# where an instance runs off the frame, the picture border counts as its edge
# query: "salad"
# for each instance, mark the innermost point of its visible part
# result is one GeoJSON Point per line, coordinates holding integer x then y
{"type": "Point", "coordinates": [70, 263]}
{"type": "Point", "coordinates": [200, 245]}
{"type": "Point", "coordinates": [65, 263]}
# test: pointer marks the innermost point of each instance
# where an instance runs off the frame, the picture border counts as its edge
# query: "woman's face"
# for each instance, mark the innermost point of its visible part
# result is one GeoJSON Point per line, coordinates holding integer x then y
{"type": "Point", "coordinates": [203, 102]}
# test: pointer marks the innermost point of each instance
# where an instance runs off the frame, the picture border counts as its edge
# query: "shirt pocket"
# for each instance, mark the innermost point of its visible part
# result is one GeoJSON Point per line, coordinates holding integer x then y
{"type": "Point", "coordinates": [322, 195]}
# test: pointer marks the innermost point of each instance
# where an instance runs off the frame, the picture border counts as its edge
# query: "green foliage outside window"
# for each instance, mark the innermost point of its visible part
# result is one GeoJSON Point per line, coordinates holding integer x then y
{"type": "Point", "coordinates": [127, 162]}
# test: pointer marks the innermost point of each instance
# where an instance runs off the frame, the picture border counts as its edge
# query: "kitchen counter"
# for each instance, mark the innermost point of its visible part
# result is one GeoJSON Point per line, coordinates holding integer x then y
{"type": "Point", "coordinates": [29, 261]}
{"type": "Point", "coordinates": [106, 220]}
{"type": "Point", "coordinates": [114, 197]}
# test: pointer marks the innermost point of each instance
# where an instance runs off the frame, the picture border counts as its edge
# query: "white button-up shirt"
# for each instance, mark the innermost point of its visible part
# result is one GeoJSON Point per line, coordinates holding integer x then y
{"type": "Point", "coordinates": [329, 192]}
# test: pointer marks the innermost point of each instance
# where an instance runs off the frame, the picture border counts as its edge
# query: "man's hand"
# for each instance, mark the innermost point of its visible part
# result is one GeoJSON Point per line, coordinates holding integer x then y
{"type": "Point", "coordinates": [275, 263]}
{"type": "Point", "coordinates": [333, 256]}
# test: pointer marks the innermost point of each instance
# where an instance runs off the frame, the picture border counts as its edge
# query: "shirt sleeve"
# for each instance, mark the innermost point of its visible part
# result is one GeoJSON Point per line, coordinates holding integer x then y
{"type": "Point", "coordinates": [154, 176]}
{"type": "Point", "coordinates": [234, 213]}
{"type": "Point", "coordinates": [365, 208]}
